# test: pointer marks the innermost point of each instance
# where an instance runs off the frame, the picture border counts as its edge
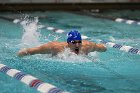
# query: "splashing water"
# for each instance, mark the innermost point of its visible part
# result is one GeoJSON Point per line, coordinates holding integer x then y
{"type": "Point", "coordinates": [52, 36]}
{"type": "Point", "coordinates": [68, 56]}
{"type": "Point", "coordinates": [31, 35]}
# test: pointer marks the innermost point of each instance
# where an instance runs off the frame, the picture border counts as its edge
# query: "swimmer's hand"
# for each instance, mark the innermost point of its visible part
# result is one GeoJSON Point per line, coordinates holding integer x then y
{"type": "Point", "coordinates": [22, 52]}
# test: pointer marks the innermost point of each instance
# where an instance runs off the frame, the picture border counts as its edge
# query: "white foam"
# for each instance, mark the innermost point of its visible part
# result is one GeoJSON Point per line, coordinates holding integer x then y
{"type": "Point", "coordinates": [68, 56]}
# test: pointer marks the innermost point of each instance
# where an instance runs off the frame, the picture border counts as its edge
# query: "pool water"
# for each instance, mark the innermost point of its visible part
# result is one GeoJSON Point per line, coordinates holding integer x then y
{"type": "Point", "coordinates": [113, 71]}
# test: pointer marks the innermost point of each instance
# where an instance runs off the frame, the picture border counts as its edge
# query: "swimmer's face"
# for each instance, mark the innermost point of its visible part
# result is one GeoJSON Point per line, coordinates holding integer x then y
{"type": "Point", "coordinates": [75, 45]}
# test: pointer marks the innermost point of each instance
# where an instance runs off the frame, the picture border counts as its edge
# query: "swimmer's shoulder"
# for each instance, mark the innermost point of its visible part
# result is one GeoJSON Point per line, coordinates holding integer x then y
{"type": "Point", "coordinates": [85, 42]}
{"type": "Point", "coordinates": [58, 44]}
{"type": "Point", "coordinates": [55, 43]}
{"type": "Point", "coordinates": [64, 44]}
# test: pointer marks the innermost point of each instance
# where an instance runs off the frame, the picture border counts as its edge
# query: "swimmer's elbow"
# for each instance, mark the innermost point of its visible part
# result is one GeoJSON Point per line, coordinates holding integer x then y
{"type": "Point", "coordinates": [103, 49]}
{"type": "Point", "coordinates": [100, 48]}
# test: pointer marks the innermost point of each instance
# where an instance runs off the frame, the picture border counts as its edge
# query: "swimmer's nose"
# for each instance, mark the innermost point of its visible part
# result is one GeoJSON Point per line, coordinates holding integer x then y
{"type": "Point", "coordinates": [77, 44]}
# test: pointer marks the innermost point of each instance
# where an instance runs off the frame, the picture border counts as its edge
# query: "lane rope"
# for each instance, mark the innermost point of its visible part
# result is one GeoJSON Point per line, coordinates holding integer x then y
{"type": "Point", "coordinates": [30, 80]}
{"type": "Point", "coordinates": [120, 20]}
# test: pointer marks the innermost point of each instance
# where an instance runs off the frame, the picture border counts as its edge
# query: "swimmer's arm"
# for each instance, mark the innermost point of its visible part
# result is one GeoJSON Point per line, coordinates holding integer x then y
{"type": "Point", "coordinates": [43, 49]}
{"type": "Point", "coordinates": [100, 48]}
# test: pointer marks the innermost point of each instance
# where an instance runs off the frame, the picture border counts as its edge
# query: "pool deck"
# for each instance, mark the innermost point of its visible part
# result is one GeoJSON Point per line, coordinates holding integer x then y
{"type": "Point", "coordinates": [66, 6]}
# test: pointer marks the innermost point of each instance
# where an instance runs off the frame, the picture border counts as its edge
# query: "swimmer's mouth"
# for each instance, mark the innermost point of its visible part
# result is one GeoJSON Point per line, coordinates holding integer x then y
{"type": "Point", "coordinates": [76, 50]}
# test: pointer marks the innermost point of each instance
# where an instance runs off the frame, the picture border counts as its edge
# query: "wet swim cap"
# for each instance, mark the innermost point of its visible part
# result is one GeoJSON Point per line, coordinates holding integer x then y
{"type": "Point", "coordinates": [73, 35]}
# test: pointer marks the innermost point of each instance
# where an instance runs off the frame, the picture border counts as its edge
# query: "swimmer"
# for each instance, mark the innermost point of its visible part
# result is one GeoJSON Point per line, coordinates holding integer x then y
{"type": "Point", "coordinates": [74, 43]}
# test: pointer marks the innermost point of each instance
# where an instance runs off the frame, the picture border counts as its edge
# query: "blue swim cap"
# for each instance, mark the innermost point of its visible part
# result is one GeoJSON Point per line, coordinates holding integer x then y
{"type": "Point", "coordinates": [73, 35]}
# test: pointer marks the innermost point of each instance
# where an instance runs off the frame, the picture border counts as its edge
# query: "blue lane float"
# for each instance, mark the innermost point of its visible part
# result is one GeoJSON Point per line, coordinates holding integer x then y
{"type": "Point", "coordinates": [128, 49]}
{"type": "Point", "coordinates": [30, 80]}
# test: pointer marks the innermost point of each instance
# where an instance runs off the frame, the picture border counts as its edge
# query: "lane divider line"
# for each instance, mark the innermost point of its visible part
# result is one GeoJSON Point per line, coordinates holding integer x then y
{"type": "Point", "coordinates": [128, 49]}
{"type": "Point", "coordinates": [121, 20]}
{"type": "Point", "coordinates": [30, 80]}
{"type": "Point", "coordinates": [97, 15]}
